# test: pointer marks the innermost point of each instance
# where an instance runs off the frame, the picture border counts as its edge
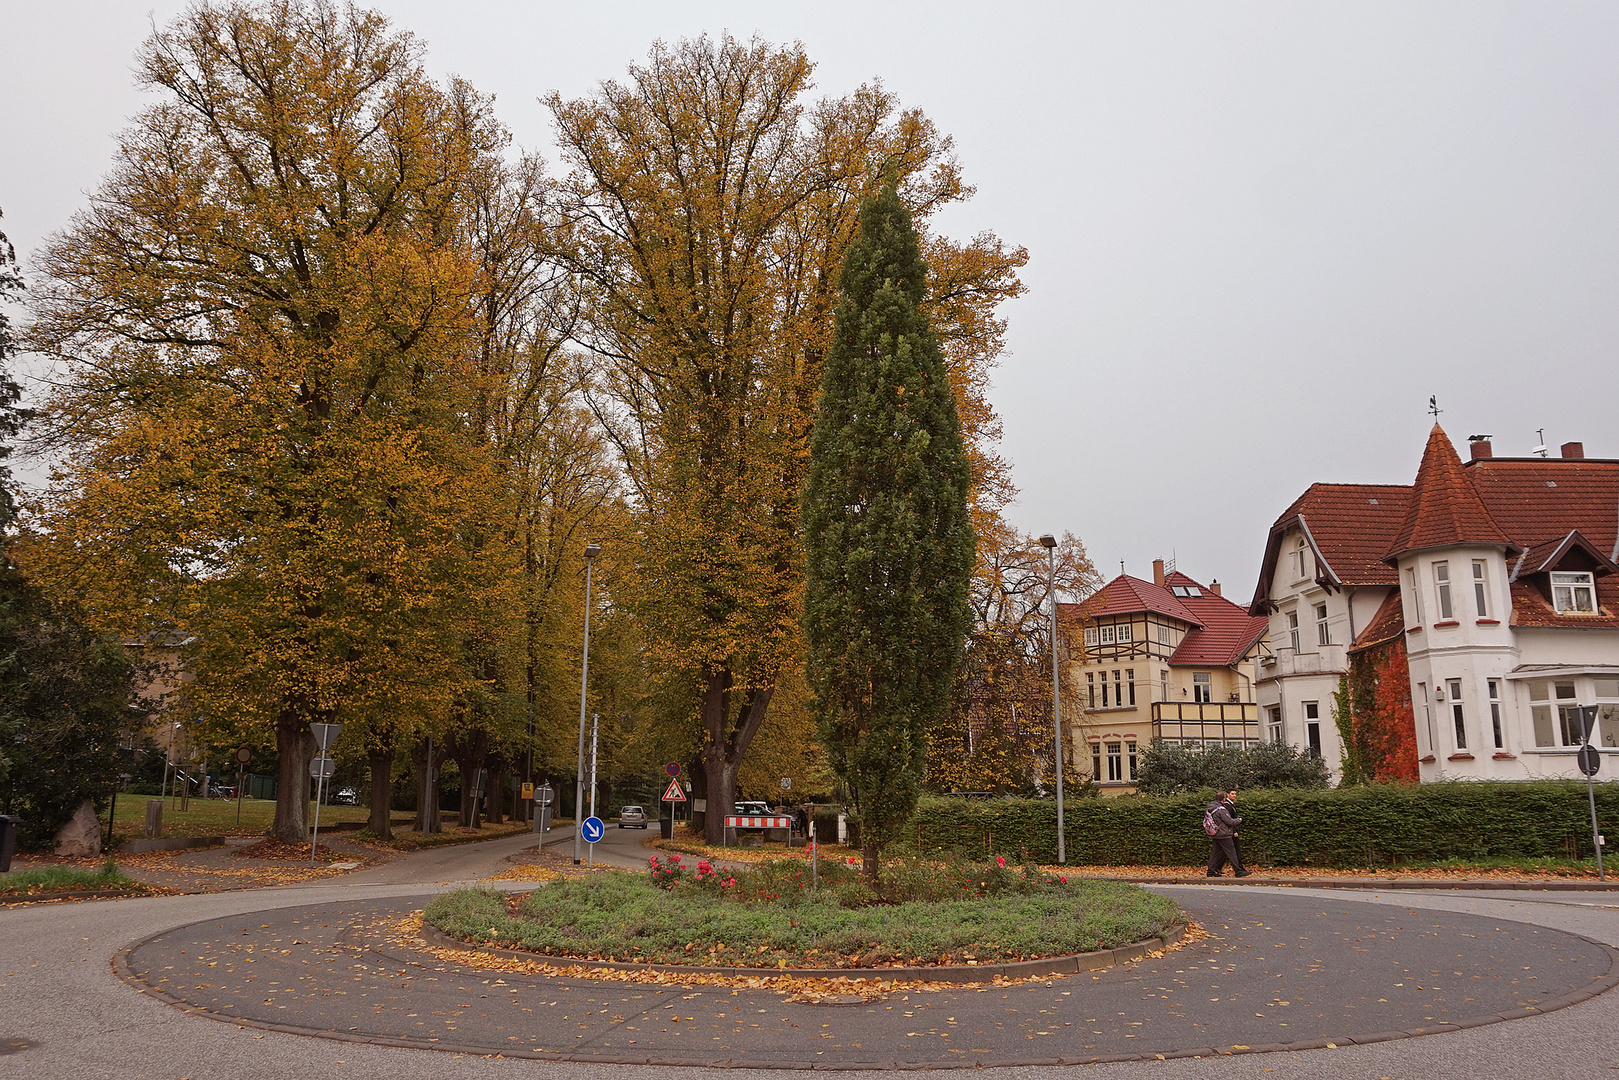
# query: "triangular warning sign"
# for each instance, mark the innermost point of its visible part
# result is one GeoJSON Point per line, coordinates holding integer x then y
{"type": "Point", "coordinates": [675, 793]}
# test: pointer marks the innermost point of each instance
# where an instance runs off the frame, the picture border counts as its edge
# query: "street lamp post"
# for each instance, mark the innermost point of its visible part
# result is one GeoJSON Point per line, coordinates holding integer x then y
{"type": "Point", "coordinates": [591, 551]}
{"type": "Point", "coordinates": [1049, 542]}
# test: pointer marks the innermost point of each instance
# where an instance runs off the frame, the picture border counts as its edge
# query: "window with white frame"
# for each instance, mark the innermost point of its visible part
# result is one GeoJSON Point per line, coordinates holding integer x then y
{"type": "Point", "coordinates": [1163, 634]}
{"type": "Point", "coordinates": [1090, 635]}
{"type": "Point", "coordinates": [1293, 630]}
{"type": "Point", "coordinates": [1274, 715]}
{"type": "Point", "coordinates": [1427, 717]}
{"type": "Point", "coordinates": [1118, 688]}
{"type": "Point", "coordinates": [1123, 632]}
{"type": "Point", "coordinates": [1300, 560]}
{"type": "Point", "coordinates": [1312, 727]}
{"type": "Point", "coordinates": [1096, 762]}
{"type": "Point", "coordinates": [1555, 713]}
{"type": "Point", "coordinates": [1495, 713]}
{"type": "Point", "coordinates": [1130, 755]}
{"type": "Point", "coordinates": [1163, 684]}
{"type": "Point", "coordinates": [1441, 588]}
{"type": "Point", "coordinates": [1573, 592]}
{"type": "Point", "coordinates": [1090, 688]}
{"type": "Point", "coordinates": [1323, 630]}
{"type": "Point", "coordinates": [1608, 711]}
{"type": "Point", "coordinates": [1453, 688]}
{"type": "Point", "coordinates": [1115, 762]}
{"type": "Point", "coordinates": [1105, 634]}
{"type": "Point", "coordinates": [1130, 684]}
{"type": "Point", "coordinates": [1202, 688]}
{"type": "Point", "coordinates": [1481, 592]}
{"type": "Point", "coordinates": [1416, 596]}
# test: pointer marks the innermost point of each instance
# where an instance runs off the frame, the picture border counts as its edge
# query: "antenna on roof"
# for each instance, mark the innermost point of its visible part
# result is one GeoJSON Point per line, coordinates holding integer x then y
{"type": "Point", "coordinates": [1541, 449]}
{"type": "Point", "coordinates": [1433, 406]}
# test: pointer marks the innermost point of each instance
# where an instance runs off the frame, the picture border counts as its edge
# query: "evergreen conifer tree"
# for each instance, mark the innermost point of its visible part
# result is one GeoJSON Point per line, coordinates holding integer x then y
{"type": "Point", "coordinates": [889, 544]}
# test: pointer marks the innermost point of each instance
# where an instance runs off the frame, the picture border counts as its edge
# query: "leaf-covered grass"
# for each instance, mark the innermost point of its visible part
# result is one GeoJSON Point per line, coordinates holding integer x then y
{"type": "Point", "coordinates": [48, 879]}
{"type": "Point", "coordinates": [772, 918]}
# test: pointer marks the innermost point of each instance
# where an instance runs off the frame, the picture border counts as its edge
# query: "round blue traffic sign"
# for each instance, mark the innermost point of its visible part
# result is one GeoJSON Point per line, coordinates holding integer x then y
{"type": "Point", "coordinates": [591, 829]}
{"type": "Point", "coordinates": [673, 768]}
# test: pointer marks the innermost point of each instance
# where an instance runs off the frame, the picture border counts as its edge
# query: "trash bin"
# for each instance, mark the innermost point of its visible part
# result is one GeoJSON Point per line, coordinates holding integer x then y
{"type": "Point", "coordinates": [8, 840]}
{"type": "Point", "coordinates": [666, 827]}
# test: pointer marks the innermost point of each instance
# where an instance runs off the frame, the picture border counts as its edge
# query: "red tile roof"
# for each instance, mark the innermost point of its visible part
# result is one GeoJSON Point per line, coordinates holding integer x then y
{"type": "Point", "coordinates": [1125, 594]}
{"type": "Point", "coordinates": [1220, 633]}
{"type": "Point", "coordinates": [1531, 608]}
{"type": "Point", "coordinates": [1538, 500]}
{"type": "Point", "coordinates": [1350, 526]}
{"type": "Point", "coordinates": [1445, 508]}
{"type": "Point", "coordinates": [1226, 632]}
{"type": "Point", "coordinates": [1386, 625]}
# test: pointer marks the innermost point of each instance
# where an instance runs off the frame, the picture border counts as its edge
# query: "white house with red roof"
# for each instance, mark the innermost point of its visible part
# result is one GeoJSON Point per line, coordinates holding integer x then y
{"type": "Point", "coordinates": [1469, 615]}
{"type": "Point", "coordinates": [1169, 658]}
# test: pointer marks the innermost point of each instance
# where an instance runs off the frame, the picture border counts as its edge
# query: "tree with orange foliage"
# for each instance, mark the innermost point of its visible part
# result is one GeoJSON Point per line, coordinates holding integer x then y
{"type": "Point", "coordinates": [265, 320]}
{"type": "Point", "coordinates": [711, 212]}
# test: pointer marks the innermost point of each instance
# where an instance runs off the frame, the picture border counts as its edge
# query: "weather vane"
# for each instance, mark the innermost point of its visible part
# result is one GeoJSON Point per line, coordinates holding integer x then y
{"type": "Point", "coordinates": [1433, 406]}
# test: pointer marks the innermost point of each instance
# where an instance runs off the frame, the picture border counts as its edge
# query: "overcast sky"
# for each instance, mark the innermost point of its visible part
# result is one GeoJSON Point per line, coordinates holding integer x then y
{"type": "Point", "coordinates": [1261, 235]}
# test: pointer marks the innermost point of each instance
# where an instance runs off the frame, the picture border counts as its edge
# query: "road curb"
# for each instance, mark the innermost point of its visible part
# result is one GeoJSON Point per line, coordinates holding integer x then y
{"type": "Point", "coordinates": [1097, 960]}
{"type": "Point", "coordinates": [1431, 884]}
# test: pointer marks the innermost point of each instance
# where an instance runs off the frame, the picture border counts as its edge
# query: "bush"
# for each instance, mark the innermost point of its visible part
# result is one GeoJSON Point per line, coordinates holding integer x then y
{"type": "Point", "coordinates": [1374, 825]}
{"type": "Point", "coordinates": [1175, 770]}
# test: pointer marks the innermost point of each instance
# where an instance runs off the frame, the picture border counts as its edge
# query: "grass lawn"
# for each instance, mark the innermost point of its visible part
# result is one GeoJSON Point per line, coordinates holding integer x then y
{"type": "Point", "coordinates": [770, 917]}
{"type": "Point", "coordinates": [43, 880]}
{"type": "Point", "coordinates": [217, 817]}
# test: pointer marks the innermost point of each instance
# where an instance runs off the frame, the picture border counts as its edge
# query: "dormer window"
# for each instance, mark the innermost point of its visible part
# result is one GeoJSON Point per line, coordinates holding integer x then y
{"type": "Point", "coordinates": [1185, 590]}
{"type": "Point", "coordinates": [1573, 592]}
{"type": "Point", "coordinates": [1299, 556]}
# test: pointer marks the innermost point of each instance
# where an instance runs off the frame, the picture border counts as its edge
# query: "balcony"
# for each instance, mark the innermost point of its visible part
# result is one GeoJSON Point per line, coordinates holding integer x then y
{"type": "Point", "coordinates": [1209, 721]}
{"type": "Point", "coordinates": [1322, 660]}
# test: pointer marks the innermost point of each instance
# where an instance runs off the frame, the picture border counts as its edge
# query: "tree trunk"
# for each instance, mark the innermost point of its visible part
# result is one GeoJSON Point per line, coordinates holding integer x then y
{"type": "Point", "coordinates": [722, 756]}
{"type": "Point", "coordinates": [469, 754]}
{"type": "Point", "coordinates": [426, 758]}
{"type": "Point", "coordinates": [494, 795]}
{"type": "Point", "coordinates": [868, 860]}
{"type": "Point", "coordinates": [382, 771]}
{"type": "Point", "coordinates": [296, 745]}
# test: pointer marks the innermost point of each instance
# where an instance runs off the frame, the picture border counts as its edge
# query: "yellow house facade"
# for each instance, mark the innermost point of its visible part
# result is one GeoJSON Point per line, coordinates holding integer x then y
{"type": "Point", "coordinates": [1169, 658]}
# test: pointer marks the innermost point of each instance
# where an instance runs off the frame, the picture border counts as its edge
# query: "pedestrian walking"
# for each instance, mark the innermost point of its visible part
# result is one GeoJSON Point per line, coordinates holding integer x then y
{"type": "Point", "coordinates": [1221, 823]}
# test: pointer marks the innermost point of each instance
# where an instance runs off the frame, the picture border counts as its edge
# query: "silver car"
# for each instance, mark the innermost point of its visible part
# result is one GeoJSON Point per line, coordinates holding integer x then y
{"type": "Point", "coordinates": [632, 817]}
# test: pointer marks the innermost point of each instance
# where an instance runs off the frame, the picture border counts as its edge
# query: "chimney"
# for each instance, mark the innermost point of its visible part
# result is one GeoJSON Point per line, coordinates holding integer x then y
{"type": "Point", "coordinates": [1480, 448]}
{"type": "Point", "coordinates": [1158, 572]}
{"type": "Point", "coordinates": [1214, 587]}
{"type": "Point", "coordinates": [1573, 450]}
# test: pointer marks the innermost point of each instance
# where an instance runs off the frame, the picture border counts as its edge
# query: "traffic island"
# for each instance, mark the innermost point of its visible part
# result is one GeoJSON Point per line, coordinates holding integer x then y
{"type": "Point", "coordinates": [1271, 972]}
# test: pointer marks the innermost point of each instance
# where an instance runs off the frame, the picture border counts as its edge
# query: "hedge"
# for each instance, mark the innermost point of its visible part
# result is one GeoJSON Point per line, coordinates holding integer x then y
{"type": "Point", "coordinates": [1375, 825]}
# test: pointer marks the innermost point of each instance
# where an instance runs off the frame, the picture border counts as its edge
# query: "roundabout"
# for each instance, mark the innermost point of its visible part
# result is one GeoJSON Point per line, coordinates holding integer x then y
{"type": "Point", "coordinates": [1278, 970]}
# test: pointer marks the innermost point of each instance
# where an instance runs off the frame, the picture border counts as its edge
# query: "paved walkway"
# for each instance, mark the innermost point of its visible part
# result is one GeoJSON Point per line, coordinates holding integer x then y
{"type": "Point", "coordinates": [1285, 965]}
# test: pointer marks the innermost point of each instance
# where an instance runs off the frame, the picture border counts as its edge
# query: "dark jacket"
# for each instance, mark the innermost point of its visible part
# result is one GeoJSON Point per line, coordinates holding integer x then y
{"type": "Point", "coordinates": [1225, 822]}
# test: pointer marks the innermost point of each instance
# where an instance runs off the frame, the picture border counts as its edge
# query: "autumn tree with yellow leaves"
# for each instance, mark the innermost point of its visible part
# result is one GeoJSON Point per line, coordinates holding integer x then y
{"type": "Point", "coordinates": [266, 331]}
{"type": "Point", "coordinates": [711, 209]}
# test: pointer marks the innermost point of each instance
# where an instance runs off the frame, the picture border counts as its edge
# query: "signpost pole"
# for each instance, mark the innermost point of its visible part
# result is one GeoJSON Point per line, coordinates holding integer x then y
{"type": "Point", "coordinates": [325, 736]}
{"type": "Point", "coordinates": [1590, 762]}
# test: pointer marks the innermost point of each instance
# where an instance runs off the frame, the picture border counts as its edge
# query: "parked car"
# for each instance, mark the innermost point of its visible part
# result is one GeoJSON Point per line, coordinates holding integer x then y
{"type": "Point", "coordinates": [632, 817]}
{"type": "Point", "coordinates": [752, 809]}
{"type": "Point", "coordinates": [345, 796]}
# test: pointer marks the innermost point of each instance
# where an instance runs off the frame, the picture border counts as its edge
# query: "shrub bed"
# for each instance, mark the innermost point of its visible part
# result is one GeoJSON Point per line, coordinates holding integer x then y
{"type": "Point", "coordinates": [770, 917]}
{"type": "Point", "coordinates": [1374, 825]}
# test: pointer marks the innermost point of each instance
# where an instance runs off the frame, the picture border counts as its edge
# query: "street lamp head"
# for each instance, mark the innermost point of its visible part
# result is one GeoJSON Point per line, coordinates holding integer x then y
{"type": "Point", "coordinates": [1048, 541]}
{"type": "Point", "coordinates": [592, 550]}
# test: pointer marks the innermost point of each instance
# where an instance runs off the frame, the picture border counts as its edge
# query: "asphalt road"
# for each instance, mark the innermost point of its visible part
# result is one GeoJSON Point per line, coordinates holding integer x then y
{"type": "Point", "coordinates": [65, 1013]}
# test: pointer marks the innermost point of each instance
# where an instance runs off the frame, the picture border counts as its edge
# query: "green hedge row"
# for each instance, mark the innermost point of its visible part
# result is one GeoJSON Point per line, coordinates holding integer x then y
{"type": "Point", "coordinates": [1376, 825]}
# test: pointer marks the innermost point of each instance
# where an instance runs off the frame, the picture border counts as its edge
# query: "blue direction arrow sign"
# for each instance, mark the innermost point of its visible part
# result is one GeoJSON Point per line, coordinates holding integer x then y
{"type": "Point", "coordinates": [591, 829]}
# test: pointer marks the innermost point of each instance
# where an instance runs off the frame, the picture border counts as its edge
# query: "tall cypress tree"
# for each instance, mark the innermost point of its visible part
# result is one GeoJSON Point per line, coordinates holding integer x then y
{"type": "Point", "coordinates": [889, 545]}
